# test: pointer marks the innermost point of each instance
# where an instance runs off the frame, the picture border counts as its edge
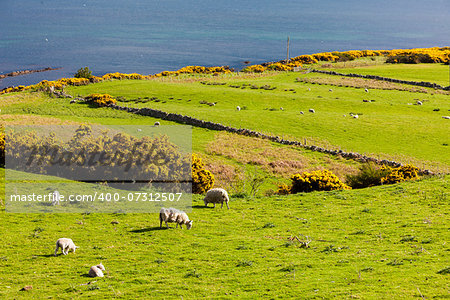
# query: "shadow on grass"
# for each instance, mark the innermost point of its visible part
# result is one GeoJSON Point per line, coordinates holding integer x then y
{"type": "Point", "coordinates": [201, 206]}
{"type": "Point", "coordinates": [148, 229]}
{"type": "Point", "coordinates": [48, 255]}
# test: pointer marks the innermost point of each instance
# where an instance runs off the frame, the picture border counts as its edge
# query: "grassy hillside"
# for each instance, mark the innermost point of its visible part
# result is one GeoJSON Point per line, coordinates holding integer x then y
{"type": "Point", "coordinates": [388, 127]}
{"type": "Point", "coordinates": [437, 73]}
{"type": "Point", "coordinates": [384, 242]}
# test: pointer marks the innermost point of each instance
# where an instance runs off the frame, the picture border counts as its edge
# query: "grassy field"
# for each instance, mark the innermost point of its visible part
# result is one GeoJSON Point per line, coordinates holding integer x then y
{"type": "Point", "coordinates": [437, 73]}
{"type": "Point", "coordinates": [388, 127]}
{"type": "Point", "coordinates": [385, 242]}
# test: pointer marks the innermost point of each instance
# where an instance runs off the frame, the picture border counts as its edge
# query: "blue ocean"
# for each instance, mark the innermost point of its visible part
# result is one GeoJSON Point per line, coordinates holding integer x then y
{"type": "Point", "coordinates": [149, 36]}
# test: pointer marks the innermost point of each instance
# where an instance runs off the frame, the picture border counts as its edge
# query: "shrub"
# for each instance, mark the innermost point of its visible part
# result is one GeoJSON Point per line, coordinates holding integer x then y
{"type": "Point", "coordinates": [369, 175]}
{"type": "Point", "coordinates": [101, 99]}
{"type": "Point", "coordinates": [284, 189]}
{"type": "Point", "coordinates": [279, 67]}
{"type": "Point", "coordinates": [202, 179]}
{"type": "Point", "coordinates": [254, 69]}
{"type": "Point", "coordinates": [83, 73]}
{"type": "Point", "coordinates": [119, 150]}
{"type": "Point", "coordinates": [395, 175]}
{"type": "Point", "coordinates": [321, 180]}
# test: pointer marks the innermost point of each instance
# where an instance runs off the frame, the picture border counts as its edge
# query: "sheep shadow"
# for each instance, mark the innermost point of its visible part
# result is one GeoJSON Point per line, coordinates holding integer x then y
{"type": "Point", "coordinates": [48, 255]}
{"type": "Point", "coordinates": [147, 229]}
{"type": "Point", "coordinates": [202, 206]}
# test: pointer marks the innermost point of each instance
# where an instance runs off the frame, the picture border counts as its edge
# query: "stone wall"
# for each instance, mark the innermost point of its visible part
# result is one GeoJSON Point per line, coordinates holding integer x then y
{"type": "Point", "coordinates": [417, 83]}
{"type": "Point", "coordinates": [178, 118]}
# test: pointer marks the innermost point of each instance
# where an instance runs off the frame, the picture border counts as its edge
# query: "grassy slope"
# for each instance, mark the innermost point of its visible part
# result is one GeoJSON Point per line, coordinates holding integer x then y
{"type": "Point", "coordinates": [366, 227]}
{"type": "Point", "coordinates": [229, 252]}
{"type": "Point", "coordinates": [387, 126]}
{"type": "Point", "coordinates": [437, 73]}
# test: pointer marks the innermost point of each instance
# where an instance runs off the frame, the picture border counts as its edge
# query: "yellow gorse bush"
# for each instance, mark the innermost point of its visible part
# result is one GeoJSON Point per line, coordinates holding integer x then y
{"type": "Point", "coordinates": [320, 180]}
{"type": "Point", "coordinates": [120, 150]}
{"type": "Point", "coordinates": [254, 69]}
{"type": "Point", "coordinates": [202, 179]}
{"type": "Point", "coordinates": [395, 175]}
{"type": "Point", "coordinates": [101, 99]}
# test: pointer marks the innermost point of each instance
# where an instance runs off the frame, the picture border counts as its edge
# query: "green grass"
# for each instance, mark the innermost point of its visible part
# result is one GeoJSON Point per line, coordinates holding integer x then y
{"type": "Point", "coordinates": [360, 246]}
{"type": "Point", "coordinates": [385, 242]}
{"type": "Point", "coordinates": [388, 127]}
{"type": "Point", "coordinates": [437, 73]}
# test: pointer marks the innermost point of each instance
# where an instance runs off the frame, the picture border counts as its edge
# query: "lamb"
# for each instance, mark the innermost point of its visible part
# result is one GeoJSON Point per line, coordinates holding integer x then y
{"type": "Point", "coordinates": [173, 215]}
{"type": "Point", "coordinates": [66, 245]}
{"type": "Point", "coordinates": [96, 271]}
{"type": "Point", "coordinates": [216, 195]}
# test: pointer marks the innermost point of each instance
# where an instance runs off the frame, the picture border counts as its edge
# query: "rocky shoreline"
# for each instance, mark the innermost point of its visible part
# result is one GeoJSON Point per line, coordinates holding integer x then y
{"type": "Point", "coordinates": [25, 72]}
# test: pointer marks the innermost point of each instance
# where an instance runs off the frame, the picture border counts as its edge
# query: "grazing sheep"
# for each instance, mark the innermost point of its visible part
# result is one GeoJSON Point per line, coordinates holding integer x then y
{"type": "Point", "coordinates": [281, 108]}
{"type": "Point", "coordinates": [355, 116]}
{"type": "Point", "coordinates": [56, 197]}
{"type": "Point", "coordinates": [366, 90]}
{"type": "Point", "coordinates": [173, 215]}
{"type": "Point", "coordinates": [139, 129]}
{"type": "Point", "coordinates": [96, 271]}
{"type": "Point", "coordinates": [446, 117]}
{"type": "Point", "coordinates": [156, 124]}
{"type": "Point", "coordinates": [330, 90]}
{"type": "Point", "coordinates": [301, 112]}
{"type": "Point", "coordinates": [66, 245]}
{"type": "Point", "coordinates": [73, 101]}
{"type": "Point", "coordinates": [312, 110]}
{"type": "Point", "coordinates": [419, 102]}
{"type": "Point", "coordinates": [216, 195]}
{"type": "Point", "coordinates": [238, 108]}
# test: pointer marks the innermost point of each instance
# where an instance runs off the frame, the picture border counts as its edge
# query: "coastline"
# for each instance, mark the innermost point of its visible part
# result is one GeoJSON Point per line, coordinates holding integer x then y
{"type": "Point", "coordinates": [26, 72]}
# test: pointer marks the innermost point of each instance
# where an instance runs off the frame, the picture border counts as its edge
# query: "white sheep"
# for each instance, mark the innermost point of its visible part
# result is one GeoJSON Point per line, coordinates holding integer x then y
{"type": "Point", "coordinates": [355, 116]}
{"type": "Point", "coordinates": [281, 108]}
{"type": "Point", "coordinates": [446, 117]}
{"type": "Point", "coordinates": [238, 108]}
{"type": "Point", "coordinates": [366, 90]}
{"type": "Point", "coordinates": [330, 90]}
{"type": "Point", "coordinates": [216, 195]}
{"type": "Point", "coordinates": [312, 110]}
{"type": "Point", "coordinates": [173, 215]}
{"type": "Point", "coordinates": [156, 124]}
{"type": "Point", "coordinates": [66, 245]}
{"type": "Point", "coordinates": [301, 112]}
{"type": "Point", "coordinates": [419, 102]}
{"type": "Point", "coordinates": [96, 271]}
